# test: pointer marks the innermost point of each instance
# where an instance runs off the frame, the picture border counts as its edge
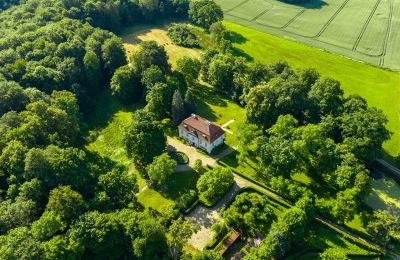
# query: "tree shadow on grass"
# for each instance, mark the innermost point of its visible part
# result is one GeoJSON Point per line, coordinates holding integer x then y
{"type": "Point", "coordinates": [237, 38]}
{"type": "Point", "coordinates": [240, 53]}
{"type": "Point", "coordinates": [310, 4]}
{"type": "Point", "coordinates": [205, 98]}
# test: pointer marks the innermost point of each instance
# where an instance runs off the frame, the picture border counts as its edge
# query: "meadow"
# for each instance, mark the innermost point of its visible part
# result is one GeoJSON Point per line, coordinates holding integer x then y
{"type": "Point", "coordinates": [361, 30]}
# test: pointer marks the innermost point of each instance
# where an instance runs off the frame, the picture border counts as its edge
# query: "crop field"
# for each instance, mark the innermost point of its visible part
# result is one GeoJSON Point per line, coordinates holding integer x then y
{"type": "Point", "coordinates": [359, 29]}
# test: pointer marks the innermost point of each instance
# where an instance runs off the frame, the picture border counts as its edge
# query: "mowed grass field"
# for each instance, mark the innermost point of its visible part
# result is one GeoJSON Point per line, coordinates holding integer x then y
{"type": "Point", "coordinates": [362, 30]}
{"type": "Point", "coordinates": [380, 87]}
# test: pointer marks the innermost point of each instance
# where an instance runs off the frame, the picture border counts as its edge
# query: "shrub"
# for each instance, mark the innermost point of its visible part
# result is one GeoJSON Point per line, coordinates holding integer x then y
{"type": "Point", "coordinates": [182, 35]}
{"type": "Point", "coordinates": [213, 184]}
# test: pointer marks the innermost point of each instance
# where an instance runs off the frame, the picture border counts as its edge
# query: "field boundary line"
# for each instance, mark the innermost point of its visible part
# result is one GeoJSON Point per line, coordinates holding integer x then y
{"type": "Point", "coordinates": [293, 18]}
{"type": "Point", "coordinates": [387, 36]}
{"type": "Point", "coordinates": [365, 26]}
{"type": "Point", "coordinates": [236, 6]}
{"type": "Point", "coordinates": [331, 19]}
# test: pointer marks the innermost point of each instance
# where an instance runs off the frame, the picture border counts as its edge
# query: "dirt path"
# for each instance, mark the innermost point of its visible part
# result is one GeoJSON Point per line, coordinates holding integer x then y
{"type": "Point", "coordinates": [226, 124]}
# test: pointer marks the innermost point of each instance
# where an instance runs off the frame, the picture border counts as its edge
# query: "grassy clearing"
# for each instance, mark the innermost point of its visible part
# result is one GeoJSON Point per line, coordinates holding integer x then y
{"type": "Point", "coordinates": [381, 88]}
{"type": "Point", "coordinates": [133, 36]}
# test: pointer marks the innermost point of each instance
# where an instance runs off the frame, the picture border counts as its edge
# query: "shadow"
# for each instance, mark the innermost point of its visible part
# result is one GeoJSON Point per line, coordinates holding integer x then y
{"type": "Point", "coordinates": [239, 53]}
{"type": "Point", "coordinates": [179, 183]}
{"type": "Point", "coordinates": [307, 4]}
{"type": "Point", "coordinates": [205, 97]}
{"type": "Point", "coordinates": [237, 38]}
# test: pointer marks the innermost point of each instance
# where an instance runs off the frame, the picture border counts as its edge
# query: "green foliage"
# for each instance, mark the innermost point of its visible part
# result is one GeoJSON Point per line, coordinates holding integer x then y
{"type": "Point", "coordinates": [384, 226]}
{"type": "Point", "coordinates": [161, 168]}
{"type": "Point", "coordinates": [181, 34]}
{"type": "Point", "coordinates": [151, 76]}
{"type": "Point", "coordinates": [150, 54]}
{"type": "Point", "coordinates": [204, 13]}
{"type": "Point", "coordinates": [178, 234]}
{"type": "Point", "coordinates": [249, 214]}
{"type": "Point", "coordinates": [144, 139]}
{"type": "Point", "coordinates": [177, 109]}
{"type": "Point", "coordinates": [66, 203]}
{"type": "Point", "coordinates": [19, 244]}
{"type": "Point", "coordinates": [334, 254]}
{"type": "Point", "coordinates": [47, 226]}
{"type": "Point", "coordinates": [190, 68]}
{"type": "Point", "coordinates": [198, 166]}
{"type": "Point", "coordinates": [208, 255]}
{"type": "Point", "coordinates": [16, 213]}
{"type": "Point", "coordinates": [158, 100]}
{"type": "Point", "coordinates": [213, 184]}
{"type": "Point", "coordinates": [125, 85]}
{"type": "Point", "coordinates": [117, 189]}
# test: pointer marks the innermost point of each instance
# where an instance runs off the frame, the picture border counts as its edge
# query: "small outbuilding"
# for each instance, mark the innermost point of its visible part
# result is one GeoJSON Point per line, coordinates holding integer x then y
{"type": "Point", "coordinates": [201, 133]}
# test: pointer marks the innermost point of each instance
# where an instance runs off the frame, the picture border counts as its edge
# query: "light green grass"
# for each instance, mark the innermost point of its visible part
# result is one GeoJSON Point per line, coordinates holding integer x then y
{"type": "Point", "coordinates": [153, 199]}
{"type": "Point", "coordinates": [381, 88]}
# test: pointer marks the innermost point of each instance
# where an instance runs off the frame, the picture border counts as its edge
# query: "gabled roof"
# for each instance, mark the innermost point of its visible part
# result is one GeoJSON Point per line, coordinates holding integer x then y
{"type": "Point", "coordinates": [202, 127]}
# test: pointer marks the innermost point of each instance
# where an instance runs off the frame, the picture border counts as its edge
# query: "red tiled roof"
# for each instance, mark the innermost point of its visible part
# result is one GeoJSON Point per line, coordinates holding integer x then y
{"type": "Point", "coordinates": [196, 123]}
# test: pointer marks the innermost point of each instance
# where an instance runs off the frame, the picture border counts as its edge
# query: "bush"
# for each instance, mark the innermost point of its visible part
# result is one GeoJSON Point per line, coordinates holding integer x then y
{"type": "Point", "coordinates": [186, 200]}
{"type": "Point", "coordinates": [213, 184]}
{"type": "Point", "coordinates": [182, 35]}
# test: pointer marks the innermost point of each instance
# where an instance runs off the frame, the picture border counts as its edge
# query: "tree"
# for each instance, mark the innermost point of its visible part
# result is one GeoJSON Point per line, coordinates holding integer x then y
{"type": "Point", "coordinates": [151, 76]}
{"type": "Point", "coordinates": [204, 13]}
{"type": "Point", "coordinates": [384, 225]}
{"type": "Point", "coordinates": [12, 97]}
{"type": "Point", "coordinates": [125, 85]}
{"type": "Point", "coordinates": [47, 226]}
{"type": "Point", "coordinates": [190, 105]}
{"type": "Point", "coordinates": [198, 166]}
{"type": "Point", "coordinates": [100, 234]}
{"type": "Point", "coordinates": [326, 97]}
{"type": "Point", "coordinates": [247, 135]}
{"type": "Point", "coordinates": [66, 203]}
{"type": "Point", "coordinates": [190, 68]}
{"type": "Point", "coordinates": [19, 244]}
{"type": "Point", "coordinates": [144, 139]}
{"type": "Point", "coordinates": [157, 100]}
{"type": "Point", "coordinates": [15, 214]}
{"type": "Point", "coordinates": [62, 246]}
{"type": "Point", "coordinates": [221, 71]}
{"type": "Point", "coordinates": [249, 214]}
{"type": "Point", "coordinates": [12, 158]}
{"type": "Point", "coordinates": [161, 168]}
{"type": "Point", "coordinates": [119, 188]}
{"type": "Point", "coordinates": [92, 71]}
{"type": "Point", "coordinates": [113, 55]}
{"type": "Point", "coordinates": [179, 232]}
{"type": "Point", "coordinates": [150, 54]}
{"type": "Point", "coordinates": [213, 184]}
{"type": "Point", "coordinates": [178, 108]}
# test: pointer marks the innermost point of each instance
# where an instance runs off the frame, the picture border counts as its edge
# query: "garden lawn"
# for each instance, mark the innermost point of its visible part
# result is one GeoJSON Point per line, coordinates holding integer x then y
{"type": "Point", "coordinates": [220, 110]}
{"type": "Point", "coordinates": [384, 192]}
{"type": "Point", "coordinates": [381, 88]}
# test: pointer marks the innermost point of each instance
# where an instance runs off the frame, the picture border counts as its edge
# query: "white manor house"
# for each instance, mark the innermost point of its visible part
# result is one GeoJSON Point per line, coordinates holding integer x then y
{"type": "Point", "coordinates": [201, 133]}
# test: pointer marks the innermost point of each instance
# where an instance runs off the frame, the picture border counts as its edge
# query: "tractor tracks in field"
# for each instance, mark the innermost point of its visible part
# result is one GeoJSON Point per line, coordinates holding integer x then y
{"type": "Point", "coordinates": [359, 37]}
{"type": "Point", "coordinates": [387, 36]}
{"type": "Point", "coordinates": [331, 19]}
{"type": "Point", "coordinates": [236, 6]}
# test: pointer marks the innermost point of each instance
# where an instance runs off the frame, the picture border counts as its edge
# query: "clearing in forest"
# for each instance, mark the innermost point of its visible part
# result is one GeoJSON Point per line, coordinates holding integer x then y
{"type": "Point", "coordinates": [359, 29]}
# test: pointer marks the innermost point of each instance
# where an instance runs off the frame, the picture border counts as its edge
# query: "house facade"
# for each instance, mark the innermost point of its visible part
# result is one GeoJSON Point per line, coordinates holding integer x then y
{"type": "Point", "coordinates": [201, 133]}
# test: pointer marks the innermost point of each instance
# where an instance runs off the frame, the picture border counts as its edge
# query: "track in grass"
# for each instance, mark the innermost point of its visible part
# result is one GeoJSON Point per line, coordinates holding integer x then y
{"type": "Point", "coordinates": [360, 30]}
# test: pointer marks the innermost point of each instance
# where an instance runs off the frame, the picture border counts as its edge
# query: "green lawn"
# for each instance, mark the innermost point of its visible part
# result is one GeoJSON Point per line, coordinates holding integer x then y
{"type": "Point", "coordinates": [381, 88]}
{"type": "Point", "coordinates": [219, 110]}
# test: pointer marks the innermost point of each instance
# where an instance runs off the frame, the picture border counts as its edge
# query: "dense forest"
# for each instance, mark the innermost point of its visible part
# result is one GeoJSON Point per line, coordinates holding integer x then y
{"type": "Point", "coordinates": [60, 201]}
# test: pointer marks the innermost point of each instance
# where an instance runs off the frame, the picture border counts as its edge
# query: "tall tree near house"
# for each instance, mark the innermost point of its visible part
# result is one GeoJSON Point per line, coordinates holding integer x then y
{"type": "Point", "coordinates": [179, 232]}
{"type": "Point", "coordinates": [190, 106]}
{"type": "Point", "coordinates": [178, 108]}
